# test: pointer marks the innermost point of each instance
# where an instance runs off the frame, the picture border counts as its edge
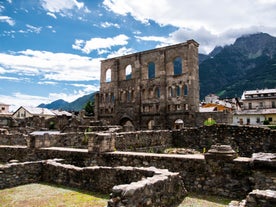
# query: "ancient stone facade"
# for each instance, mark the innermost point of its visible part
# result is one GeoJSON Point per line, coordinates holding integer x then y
{"type": "Point", "coordinates": [155, 89]}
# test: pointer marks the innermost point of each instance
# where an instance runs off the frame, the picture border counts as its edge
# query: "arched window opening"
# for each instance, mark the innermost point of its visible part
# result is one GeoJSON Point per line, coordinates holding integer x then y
{"type": "Point", "coordinates": [177, 66]}
{"type": "Point", "coordinates": [185, 90]}
{"type": "Point", "coordinates": [178, 124]}
{"type": "Point", "coordinates": [178, 91]}
{"type": "Point", "coordinates": [151, 124]}
{"type": "Point", "coordinates": [151, 70]}
{"type": "Point", "coordinates": [157, 93]}
{"type": "Point", "coordinates": [170, 91]}
{"type": "Point", "coordinates": [112, 98]}
{"type": "Point", "coordinates": [108, 75]}
{"type": "Point", "coordinates": [128, 72]}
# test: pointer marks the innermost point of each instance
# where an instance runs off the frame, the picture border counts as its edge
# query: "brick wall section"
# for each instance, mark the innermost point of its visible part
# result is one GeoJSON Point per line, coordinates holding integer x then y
{"type": "Point", "coordinates": [245, 140]}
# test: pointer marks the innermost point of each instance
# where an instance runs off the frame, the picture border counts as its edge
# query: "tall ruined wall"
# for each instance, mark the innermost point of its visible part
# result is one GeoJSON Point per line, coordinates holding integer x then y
{"type": "Point", "coordinates": [246, 140]}
{"type": "Point", "coordinates": [151, 89]}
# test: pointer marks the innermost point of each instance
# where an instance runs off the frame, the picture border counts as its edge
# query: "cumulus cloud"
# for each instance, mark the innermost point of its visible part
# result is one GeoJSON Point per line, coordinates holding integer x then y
{"type": "Point", "coordinates": [52, 66]}
{"type": "Point", "coordinates": [210, 23]}
{"type": "Point", "coordinates": [33, 29]}
{"type": "Point", "coordinates": [63, 7]}
{"type": "Point", "coordinates": [8, 20]}
{"type": "Point", "coordinates": [122, 51]}
{"type": "Point", "coordinates": [216, 16]}
{"type": "Point", "coordinates": [100, 43]}
{"type": "Point", "coordinates": [51, 15]}
{"type": "Point", "coordinates": [109, 24]}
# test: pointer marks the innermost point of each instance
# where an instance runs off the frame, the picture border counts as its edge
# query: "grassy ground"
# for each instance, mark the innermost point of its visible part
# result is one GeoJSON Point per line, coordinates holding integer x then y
{"type": "Point", "coordinates": [45, 195]}
{"type": "Point", "coordinates": [195, 200]}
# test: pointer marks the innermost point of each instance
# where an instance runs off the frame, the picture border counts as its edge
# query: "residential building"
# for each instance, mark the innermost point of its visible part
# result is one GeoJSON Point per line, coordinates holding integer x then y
{"type": "Point", "coordinates": [28, 111]}
{"type": "Point", "coordinates": [4, 108]}
{"type": "Point", "coordinates": [258, 106]}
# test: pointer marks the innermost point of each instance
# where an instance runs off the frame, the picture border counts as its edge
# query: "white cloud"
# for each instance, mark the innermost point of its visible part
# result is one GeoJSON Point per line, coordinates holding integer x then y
{"type": "Point", "coordinates": [100, 43]}
{"type": "Point", "coordinates": [47, 83]}
{"type": "Point", "coordinates": [51, 15]}
{"type": "Point", "coordinates": [216, 16]}
{"type": "Point", "coordinates": [18, 99]}
{"type": "Point", "coordinates": [63, 7]}
{"type": "Point", "coordinates": [86, 88]}
{"type": "Point", "coordinates": [152, 38]}
{"type": "Point", "coordinates": [52, 66]}
{"type": "Point", "coordinates": [208, 22]}
{"type": "Point", "coordinates": [109, 24]}
{"type": "Point", "coordinates": [8, 20]}
{"type": "Point", "coordinates": [33, 29]}
{"type": "Point", "coordinates": [122, 51]}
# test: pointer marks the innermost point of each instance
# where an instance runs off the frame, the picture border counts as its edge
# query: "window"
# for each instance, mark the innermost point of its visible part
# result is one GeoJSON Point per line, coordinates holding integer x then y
{"type": "Point", "coordinates": [273, 105]}
{"type": "Point", "coordinates": [151, 70]}
{"type": "Point", "coordinates": [185, 90]}
{"type": "Point", "coordinates": [177, 66]}
{"type": "Point", "coordinates": [128, 72]}
{"type": "Point", "coordinates": [270, 119]}
{"type": "Point", "coordinates": [177, 91]}
{"type": "Point", "coordinates": [170, 91]}
{"type": "Point", "coordinates": [258, 120]}
{"type": "Point", "coordinates": [151, 124]}
{"type": "Point", "coordinates": [157, 92]}
{"type": "Point", "coordinates": [108, 75]}
{"type": "Point", "coordinates": [261, 105]}
{"type": "Point", "coordinates": [249, 105]}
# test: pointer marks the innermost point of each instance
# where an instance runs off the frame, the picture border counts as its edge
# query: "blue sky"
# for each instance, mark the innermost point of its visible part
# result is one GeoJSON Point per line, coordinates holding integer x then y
{"type": "Point", "coordinates": [51, 49]}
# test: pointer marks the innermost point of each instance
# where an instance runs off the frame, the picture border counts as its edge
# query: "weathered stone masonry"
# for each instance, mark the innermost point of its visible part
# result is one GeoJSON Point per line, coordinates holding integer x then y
{"type": "Point", "coordinates": [151, 89]}
{"type": "Point", "coordinates": [130, 186]}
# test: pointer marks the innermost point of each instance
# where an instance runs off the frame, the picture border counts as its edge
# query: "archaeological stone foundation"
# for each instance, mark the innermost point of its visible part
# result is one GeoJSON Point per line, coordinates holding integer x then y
{"type": "Point", "coordinates": [126, 165]}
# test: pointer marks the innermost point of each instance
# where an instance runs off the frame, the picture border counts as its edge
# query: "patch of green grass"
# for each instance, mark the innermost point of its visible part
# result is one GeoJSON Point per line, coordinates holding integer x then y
{"type": "Point", "coordinates": [45, 195]}
{"type": "Point", "coordinates": [195, 200]}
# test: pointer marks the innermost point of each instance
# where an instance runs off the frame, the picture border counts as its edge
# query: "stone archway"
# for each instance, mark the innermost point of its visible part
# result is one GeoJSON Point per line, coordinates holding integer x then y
{"type": "Point", "coordinates": [178, 124]}
{"type": "Point", "coordinates": [127, 124]}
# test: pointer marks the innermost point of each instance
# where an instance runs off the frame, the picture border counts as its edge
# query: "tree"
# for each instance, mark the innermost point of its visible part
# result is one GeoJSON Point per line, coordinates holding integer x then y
{"type": "Point", "coordinates": [89, 108]}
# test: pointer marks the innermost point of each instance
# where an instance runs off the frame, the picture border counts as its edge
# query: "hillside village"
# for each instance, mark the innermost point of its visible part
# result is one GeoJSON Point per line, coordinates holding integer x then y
{"type": "Point", "coordinates": [149, 103]}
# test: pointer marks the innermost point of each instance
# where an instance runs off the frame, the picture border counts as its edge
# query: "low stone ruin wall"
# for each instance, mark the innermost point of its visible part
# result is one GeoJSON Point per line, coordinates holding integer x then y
{"type": "Point", "coordinates": [16, 174]}
{"type": "Point", "coordinates": [162, 189]}
{"type": "Point", "coordinates": [13, 139]}
{"type": "Point", "coordinates": [256, 198]}
{"type": "Point", "coordinates": [246, 140]}
{"type": "Point", "coordinates": [145, 141]}
{"type": "Point", "coordinates": [130, 186]}
{"type": "Point", "coordinates": [218, 177]}
{"type": "Point", "coordinates": [74, 140]}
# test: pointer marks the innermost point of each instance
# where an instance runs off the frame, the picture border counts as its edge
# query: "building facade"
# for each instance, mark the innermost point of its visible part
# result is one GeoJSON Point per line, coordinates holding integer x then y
{"type": "Point", "coordinates": [258, 106]}
{"type": "Point", "coordinates": [155, 89]}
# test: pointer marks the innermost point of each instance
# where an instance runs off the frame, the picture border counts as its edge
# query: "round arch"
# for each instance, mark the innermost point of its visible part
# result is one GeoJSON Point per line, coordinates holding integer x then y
{"type": "Point", "coordinates": [178, 124]}
{"type": "Point", "coordinates": [127, 124]}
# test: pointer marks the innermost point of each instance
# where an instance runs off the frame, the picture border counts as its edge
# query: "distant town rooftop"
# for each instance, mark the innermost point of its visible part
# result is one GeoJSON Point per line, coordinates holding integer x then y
{"type": "Point", "coordinates": [258, 93]}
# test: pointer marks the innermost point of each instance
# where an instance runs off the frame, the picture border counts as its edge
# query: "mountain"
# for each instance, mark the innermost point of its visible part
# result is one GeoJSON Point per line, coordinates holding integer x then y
{"type": "Point", "coordinates": [58, 104]}
{"type": "Point", "coordinates": [76, 105]}
{"type": "Point", "coordinates": [248, 64]}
